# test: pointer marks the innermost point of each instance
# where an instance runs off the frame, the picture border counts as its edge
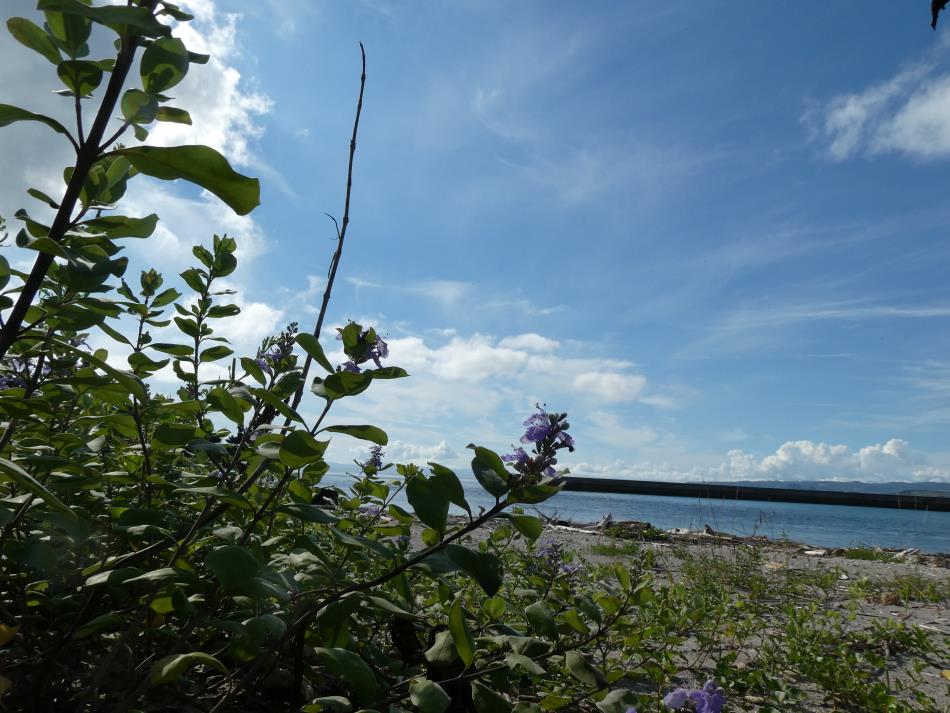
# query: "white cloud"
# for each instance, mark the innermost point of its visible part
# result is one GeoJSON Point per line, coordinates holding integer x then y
{"type": "Point", "coordinates": [402, 452]}
{"type": "Point", "coordinates": [610, 387]}
{"type": "Point", "coordinates": [893, 460]}
{"type": "Point", "coordinates": [530, 342]}
{"type": "Point", "coordinates": [223, 110]}
{"type": "Point", "coordinates": [907, 114]}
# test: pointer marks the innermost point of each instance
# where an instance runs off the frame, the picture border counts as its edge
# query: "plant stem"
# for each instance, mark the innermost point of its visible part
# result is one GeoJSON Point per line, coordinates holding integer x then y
{"type": "Point", "coordinates": [86, 157]}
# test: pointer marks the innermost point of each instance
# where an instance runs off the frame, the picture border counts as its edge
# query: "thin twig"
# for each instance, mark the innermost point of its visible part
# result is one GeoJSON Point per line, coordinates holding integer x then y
{"type": "Point", "coordinates": [341, 233]}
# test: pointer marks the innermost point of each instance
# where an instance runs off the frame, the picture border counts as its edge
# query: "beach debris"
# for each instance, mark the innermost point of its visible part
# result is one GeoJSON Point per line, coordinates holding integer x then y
{"type": "Point", "coordinates": [773, 566]}
{"type": "Point", "coordinates": [890, 598]}
{"type": "Point", "coordinates": [816, 553]}
{"type": "Point", "coordinates": [910, 551]}
{"type": "Point", "coordinates": [843, 576]}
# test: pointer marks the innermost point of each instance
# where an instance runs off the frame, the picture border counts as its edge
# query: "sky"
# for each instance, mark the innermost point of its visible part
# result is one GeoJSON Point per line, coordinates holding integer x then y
{"type": "Point", "coordinates": [713, 233]}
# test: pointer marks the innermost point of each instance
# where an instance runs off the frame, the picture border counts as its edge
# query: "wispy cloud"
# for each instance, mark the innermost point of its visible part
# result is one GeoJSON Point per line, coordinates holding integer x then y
{"type": "Point", "coordinates": [907, 114]}
{"type": "Point", "coordinates": [445, 292]}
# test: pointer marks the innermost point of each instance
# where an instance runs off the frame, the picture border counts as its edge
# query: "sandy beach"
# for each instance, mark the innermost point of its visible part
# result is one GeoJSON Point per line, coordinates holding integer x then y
{"type": "Point", "coordinates": [888, 607]}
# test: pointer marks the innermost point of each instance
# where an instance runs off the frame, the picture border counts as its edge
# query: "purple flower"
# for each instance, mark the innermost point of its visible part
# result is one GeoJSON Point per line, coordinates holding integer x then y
{"type": "Point", "coordinates": [351, 367]}
{"type": "Point", "coordinates": [518, 456]}
{"type": "Point", "coordinates": [572, 568]}
{"type": "Point", "coordinates": [708, 699]}
{"type": "Point", "coordinates": [379, 350]}
{"type": "Point", "coordinates": [375, 458]}
{"type": "Point", "coordinates": [676, 699]}
{"type": "Point", "coordinates": [631, 710]}
{"type": "Point", "coordinates": [566, 440]}
{"type": "Point", "coordinates": [538, 427]}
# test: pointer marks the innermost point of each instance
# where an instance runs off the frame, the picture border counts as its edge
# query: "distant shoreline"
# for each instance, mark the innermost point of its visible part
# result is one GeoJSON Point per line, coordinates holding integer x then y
{"type": "Point", "coordinates": [895, 501]}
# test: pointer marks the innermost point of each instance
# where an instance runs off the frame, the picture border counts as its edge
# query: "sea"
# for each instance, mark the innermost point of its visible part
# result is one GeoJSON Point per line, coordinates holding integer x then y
{"type": "Point", "coordinates": [818, 525]}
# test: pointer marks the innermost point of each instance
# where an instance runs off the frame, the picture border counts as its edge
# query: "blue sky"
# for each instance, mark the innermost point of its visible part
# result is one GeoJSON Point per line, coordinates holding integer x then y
{"type": "Point", "coordinates": [714, 233]}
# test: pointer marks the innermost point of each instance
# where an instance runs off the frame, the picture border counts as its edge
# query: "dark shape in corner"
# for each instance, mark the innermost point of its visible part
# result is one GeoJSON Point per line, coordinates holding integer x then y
{"type": "Point", "coordinates": [935, 7]}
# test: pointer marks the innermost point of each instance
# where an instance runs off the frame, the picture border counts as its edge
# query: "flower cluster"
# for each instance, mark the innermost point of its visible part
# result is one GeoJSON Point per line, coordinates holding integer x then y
{"type": "Point", "coordinates": [361, 345]}
{"type": "Point", "coordinates": [375, 461]}
{"type": "Point", "coordinates": [20, 372]}
{"type": "Point", "coordinates": [548, 433]}
{"type": "Point", "coordinates": [708, 699]}
{"type": "Point", "coordinates": [275, 354]}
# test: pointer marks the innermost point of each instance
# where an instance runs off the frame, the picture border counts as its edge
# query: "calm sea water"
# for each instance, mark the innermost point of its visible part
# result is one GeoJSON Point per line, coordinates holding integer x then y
{"type": "Point", "coordinates": [822, 525]}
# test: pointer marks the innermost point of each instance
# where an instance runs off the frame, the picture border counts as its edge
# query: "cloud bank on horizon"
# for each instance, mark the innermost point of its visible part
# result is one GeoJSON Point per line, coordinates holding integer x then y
{"type": "Point", "coordinates": [718, 276]}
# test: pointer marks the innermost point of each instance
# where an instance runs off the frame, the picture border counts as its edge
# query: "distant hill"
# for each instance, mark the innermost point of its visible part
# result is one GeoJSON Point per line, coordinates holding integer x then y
{"type": "Point", "coordinates": [852, 486]}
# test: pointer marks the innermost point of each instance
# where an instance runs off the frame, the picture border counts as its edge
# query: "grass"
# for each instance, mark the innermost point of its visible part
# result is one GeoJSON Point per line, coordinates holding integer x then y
{"type": "Point", "coordinates": [868, 554]}
{"type": "Point", "coordinates": [622, 548]}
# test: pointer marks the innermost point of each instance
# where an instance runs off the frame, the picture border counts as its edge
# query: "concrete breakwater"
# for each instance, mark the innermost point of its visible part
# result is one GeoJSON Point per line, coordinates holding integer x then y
{"type": "Point", "coordinates": [765, 494]}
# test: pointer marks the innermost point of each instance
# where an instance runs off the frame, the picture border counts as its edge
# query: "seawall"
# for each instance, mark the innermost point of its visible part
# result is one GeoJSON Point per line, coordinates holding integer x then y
{"type": "Point", "coordinates": [766, 494]}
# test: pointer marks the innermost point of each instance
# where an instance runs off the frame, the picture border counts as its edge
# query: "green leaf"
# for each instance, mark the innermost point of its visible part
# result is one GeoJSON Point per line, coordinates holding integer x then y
{"type": "Point", "coordinates": [486, 568]}
{"type": "Point", "coordinates": [233, 565]}
{"type": "Point", "coordinates": [200, 165]}
{"type": "Point", "coordinates": [494, 607]}
{"type": "Point", "coordinates": [115, 16]}
{"type": "Point", "coordinates": [618, 701]}
{"type": "Point", "coordinates": [299, 448]}
{"type": "Point", "coordinates": [43, 198]}
{"type": "Point", "coordinates": [105, 621]}
{"type": "Point", "coordinates": [527, 707]}
{"type": "Point", "coordinates": [170, 668]}
{"type": "Point", "coordinates": [10, 114]}
{"type": "Point", "coordinates": [220, 399]}
{"type": "Point", "coordinates": [173, 115]}
{"type": "Point", "coordinates": [164, 64]}
{"type": "Point", "coordinates": [219, 311]}
{"type": "Point", "coordinates": [113, 576]}
{"type": "Point", "coordinates": [27, 482]}
{"type": "Point", "coordinates": [177, 350]}
{"type": "Point", "coordinates": [528, 525]}
{"type": "Point", "coordinates": [488, 701]}
{"type": "Point", "coordinates": [82, 78]}
{"type": "Point", "coordinates": [272, 399]}
{"type": "Point", "coordinates": [538, 493]}
{"type": "Point", "coordinates": [139, 108]}
{"type": "Point", "coordinates": [166, 297]}
{"type": "Point", "coordinates": [308, 513]}
{"type": "Point", "coordinates": [525, 663]}
{"type": "Point", "coordinates": [71, 31]}
{"type": "Point", "coordinates": [173, 435]}
{"type": "Point", "coordinates": [583, 671]}
{"type": "Point", "coordinates": [366, 433]}
{"type": "Point", "coordinates": [443, 651]}
{"type": "Point", "coordinates": [337, 704]}
{"type": "Point", "coordinates": [254, 369]}
{"type": "Point", "coordinates": [428, 696]}
{"type": "Point", "coordinates": [195, 279]}
{"type": "Point", "coordinates": [541, 619]}
{"type": "Point", "coordinates": [490, 471]}
{"type": "Point", "coordinates": [340, 384]}
{"type": "Point", "coordinates": [120, 226]}
{"type": "Point", "coordinates": [348, 666]}
{"type": "Point", "coordinates": [30, 34]}
{"type": "Point", "coordinates": [215, 353]}
{"type": "Point", "coordinates": [311, 345]}
{"type": "Point", "coordinates": [448, 484]}
{"type": "Point", "coordinates": [428, 503]}
{"type": "Point", "coordinates": [464, 642]}
{"type": "Point", "coordinates": [387, 372]}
